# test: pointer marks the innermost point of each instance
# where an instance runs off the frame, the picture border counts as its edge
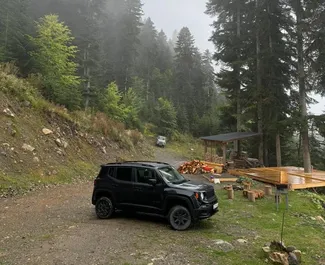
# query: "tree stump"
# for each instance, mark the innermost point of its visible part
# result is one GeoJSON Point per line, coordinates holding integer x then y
{"type": "Point", "coordinates": [251, 196]}
{"type": "Point", "coordinates": [230, 193]}
{"type": "Point", "coordinates": [245, 193]}
{"type": "Point", "coordinates": [268, 190]}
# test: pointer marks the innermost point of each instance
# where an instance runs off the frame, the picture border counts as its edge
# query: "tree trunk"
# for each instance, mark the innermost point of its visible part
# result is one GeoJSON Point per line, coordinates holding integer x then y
{"type": "Point", "coordinates": [266, 150]}
{"type": "Point", "coordinates": [87, 76]}
{"type": "Point", "coordinates": [277, 135]}
{"type": "Point", "coordinates": [302, 89]}
{"type": "Point", "coordinates": [259, 90]}
{"type": "Point", "coordinates": [278, 150]}
{"type": "Point", "coordinates": [237, 72]}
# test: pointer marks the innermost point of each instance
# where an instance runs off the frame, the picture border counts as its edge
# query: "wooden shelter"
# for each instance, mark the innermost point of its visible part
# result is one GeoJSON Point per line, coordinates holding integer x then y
{"type": "Point", "coordinates": [224, 139]}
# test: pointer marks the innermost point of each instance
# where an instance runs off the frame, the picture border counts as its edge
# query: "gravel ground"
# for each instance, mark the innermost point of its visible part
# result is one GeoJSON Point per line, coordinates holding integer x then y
{"type": "Point", "coordinates": [58, 226]}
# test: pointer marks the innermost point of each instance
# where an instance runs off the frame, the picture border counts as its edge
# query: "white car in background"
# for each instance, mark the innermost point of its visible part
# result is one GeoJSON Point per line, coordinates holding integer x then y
{"type": "Point", "coordinates": [161, 141]}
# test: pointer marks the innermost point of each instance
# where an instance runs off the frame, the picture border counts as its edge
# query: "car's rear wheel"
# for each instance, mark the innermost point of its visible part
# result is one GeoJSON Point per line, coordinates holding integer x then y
{"type": "Point", "coordinates": [104, 208]}
{"type": "Point", "coordinates": [180, 218]}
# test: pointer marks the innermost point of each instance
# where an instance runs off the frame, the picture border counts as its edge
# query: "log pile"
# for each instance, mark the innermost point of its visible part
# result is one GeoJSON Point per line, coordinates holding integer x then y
{"type": "Point", "coordinates": [198, 167]}
{"type": "Point", "coordinates": [193, 167]}
{"type": "Point", "coordinates": [214, 158]}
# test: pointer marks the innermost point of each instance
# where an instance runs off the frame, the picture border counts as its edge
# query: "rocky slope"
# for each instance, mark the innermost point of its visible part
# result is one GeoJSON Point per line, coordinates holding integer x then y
{"type": "Point", "coordinates": [46, 146]}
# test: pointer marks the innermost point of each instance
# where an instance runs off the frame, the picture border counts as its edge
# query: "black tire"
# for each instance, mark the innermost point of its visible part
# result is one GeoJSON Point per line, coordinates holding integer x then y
{"type": "Point", "coordinates": [104, 208]}
{"type": "Point", "coordinates": [180, 218]}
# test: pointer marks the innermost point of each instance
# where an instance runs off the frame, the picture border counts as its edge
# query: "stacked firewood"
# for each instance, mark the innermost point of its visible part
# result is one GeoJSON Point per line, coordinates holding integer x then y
{"type": "Point", "coordinates": [193, 167]}
{"type": "Point", "coordinates": [214, 158]}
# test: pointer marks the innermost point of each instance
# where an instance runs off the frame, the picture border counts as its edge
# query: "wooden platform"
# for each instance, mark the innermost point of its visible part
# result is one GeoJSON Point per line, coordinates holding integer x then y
{"type": "Point", "coordinates": [292, 176]}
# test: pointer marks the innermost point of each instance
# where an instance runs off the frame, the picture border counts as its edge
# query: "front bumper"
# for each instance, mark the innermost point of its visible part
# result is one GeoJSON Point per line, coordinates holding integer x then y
{"type": "Point", "coordinates": [206, 210]}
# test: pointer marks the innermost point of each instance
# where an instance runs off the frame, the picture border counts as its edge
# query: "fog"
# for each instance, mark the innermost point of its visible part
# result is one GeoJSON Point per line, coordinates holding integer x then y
{"type": "Point", "coordinates": [171, 15]}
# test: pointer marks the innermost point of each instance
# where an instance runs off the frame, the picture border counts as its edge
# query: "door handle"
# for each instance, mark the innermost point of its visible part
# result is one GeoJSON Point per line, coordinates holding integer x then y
{"type": "Point", "coordinates": [115, 185]}
{"type": "Point", "coordinates": [138, 189]}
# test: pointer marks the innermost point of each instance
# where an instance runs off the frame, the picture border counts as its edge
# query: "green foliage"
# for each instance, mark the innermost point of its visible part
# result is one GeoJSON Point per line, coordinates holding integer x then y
{"type": "Point", "coordinates": [112, 103]}
{"type": "Point", "coordinates": [10, 84]}
{"type": "Point", "coordinates": [54, 54]}
{"type": "Point", "coordinates": [165, 117]}
{"type": "Point", "coordinates": [317, 199]}
{"type": "Point", "coordinates": [133, 104]}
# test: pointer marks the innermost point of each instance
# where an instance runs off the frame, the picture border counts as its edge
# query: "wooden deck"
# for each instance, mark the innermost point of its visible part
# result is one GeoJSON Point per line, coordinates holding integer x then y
{"type": "Point", "coordinates": [292, 176]}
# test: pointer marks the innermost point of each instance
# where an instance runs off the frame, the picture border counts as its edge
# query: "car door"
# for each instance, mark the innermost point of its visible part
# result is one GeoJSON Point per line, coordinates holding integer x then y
{"type": "Point", "coordinates": [148, 197]}
{"type": "Point", "coordinates": [123, 186]}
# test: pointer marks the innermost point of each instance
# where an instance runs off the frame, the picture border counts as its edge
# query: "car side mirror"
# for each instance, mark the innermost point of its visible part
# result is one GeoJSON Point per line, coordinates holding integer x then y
{"type": "Point", "coordinates": [152, 182]}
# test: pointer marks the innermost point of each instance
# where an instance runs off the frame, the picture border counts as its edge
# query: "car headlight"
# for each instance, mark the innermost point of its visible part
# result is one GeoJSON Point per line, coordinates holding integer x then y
{"type": "Point", "coordinates": [202, 196]}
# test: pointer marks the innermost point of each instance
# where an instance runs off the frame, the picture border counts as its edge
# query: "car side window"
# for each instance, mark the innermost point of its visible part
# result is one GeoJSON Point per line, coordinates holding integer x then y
{"type": "Point", "coordinates": [105, 172]}
{"type": "Point", "coordinates": [124, 173]}
{"type": "Point", "coordinates": [144, 174]}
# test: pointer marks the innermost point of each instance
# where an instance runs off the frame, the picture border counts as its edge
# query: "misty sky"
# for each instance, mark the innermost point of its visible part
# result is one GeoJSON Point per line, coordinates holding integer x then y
{"type": "Point", "coordinates": [171, 15]}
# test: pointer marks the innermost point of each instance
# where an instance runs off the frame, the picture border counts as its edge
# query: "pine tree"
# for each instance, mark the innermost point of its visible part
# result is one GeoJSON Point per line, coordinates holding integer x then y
{"type": "Point", "coordinates": [164, 54]}
{"type": "Point", "coordinates": [127, 30]}
{"type": "Point", "coordinates": [14, 26]}
{"type": "Point", "coordinates": [147, 55]}
{"type": "Point", "coordinates": [185, 60]}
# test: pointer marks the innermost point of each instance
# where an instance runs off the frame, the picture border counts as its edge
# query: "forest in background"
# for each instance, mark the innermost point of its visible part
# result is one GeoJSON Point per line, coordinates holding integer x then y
{"type": "Point", "coordinates": [105, 56]}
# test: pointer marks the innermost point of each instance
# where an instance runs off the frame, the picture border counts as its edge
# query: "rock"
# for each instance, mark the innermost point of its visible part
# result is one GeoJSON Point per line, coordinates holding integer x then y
{"type": "Point", "coordinates": [26, 103]}
{"type": "Point", "coordinates": [13, 132]}
{"type": "Point", "coordinates": [59, 152]}
{"type": "Point", "coordinates": [64, 144]}
{"type": "Point", "coordinates": [291, 249]}
{"type": "Point", "coordinates": [58, 142]}
{"type": "Point", "coordinates": [320, 219]}
{"type": "Point", "coordinates": [104, 149]}
{"type": "Point", "coordinates": [242, 241]}
{"type": "Point", "coordinates": [8, 112]}
{"type": "Point", "coordinates": [36, 159]}
{"type": "Point", "coordinates": [266, 249]}
{"type": "Point", "coordinates": [28, 147]}
{"type": "Point", "coordinates": [298, 254]}
{"type": "Point", "coordinates": [292, 259]}
{"type": "Point", "coordinates": [280, 258]}
{"type": "Point", "coordinates": [47, 131]}
{"type": "Point", "coordinates": [3, 153]}
{"type": "Point", "coordinates": [223, 245]}
{"type": "Point", "coordinates": [5, 145]}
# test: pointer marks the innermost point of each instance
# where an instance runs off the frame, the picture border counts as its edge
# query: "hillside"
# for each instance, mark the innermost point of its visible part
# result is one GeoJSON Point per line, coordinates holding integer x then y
{"type": "Point", "coordinates": [42, 144]}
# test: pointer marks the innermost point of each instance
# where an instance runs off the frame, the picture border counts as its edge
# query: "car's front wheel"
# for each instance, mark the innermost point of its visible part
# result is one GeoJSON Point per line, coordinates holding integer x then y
{"type": "Point", "coordinates": [104, 208]}
{"type": "Point", "coordinates": [180, 218]}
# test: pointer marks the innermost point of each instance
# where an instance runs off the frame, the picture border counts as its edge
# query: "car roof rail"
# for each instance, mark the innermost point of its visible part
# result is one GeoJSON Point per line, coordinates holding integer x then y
{"type": "Point", "coordinates": [140, 162]}
{"type": "Point", "coordinates": [147, 161]}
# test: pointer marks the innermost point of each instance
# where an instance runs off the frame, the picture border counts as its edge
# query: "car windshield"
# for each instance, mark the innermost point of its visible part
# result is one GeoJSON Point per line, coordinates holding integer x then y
{"type": "Point", "coordinates": [171, 175]}
{"type": "Point", "coordinates": [161, 138]}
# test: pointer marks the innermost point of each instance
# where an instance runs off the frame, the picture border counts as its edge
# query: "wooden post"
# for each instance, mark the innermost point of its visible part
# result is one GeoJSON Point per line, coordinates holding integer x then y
{"type": "Point", "coordinates": [224, 151]}
{"type": "Point", "coordinates": [239, 149]}
{"type": "Point", "coordinates": [230, 193]}
{"type": "Point", "coordinates": [268, 190]}
{"type": "Point", "coordinates": [251, 196]}
{"type": "Point", "coordinates": [205, 149]}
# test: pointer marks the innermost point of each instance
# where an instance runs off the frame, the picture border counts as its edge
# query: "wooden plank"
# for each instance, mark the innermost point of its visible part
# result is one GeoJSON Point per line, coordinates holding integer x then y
{"type": "Point", "coordinates": [227, 179]}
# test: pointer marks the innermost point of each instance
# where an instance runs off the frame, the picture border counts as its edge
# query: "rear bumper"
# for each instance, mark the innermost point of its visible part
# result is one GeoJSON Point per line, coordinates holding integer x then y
{"type": "Point", "coordinates": [206, 210]}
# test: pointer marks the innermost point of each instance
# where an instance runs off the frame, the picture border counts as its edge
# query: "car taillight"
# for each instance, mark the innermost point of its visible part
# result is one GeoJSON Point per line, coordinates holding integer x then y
{"type": "Point", "coordinates": [95, 182]}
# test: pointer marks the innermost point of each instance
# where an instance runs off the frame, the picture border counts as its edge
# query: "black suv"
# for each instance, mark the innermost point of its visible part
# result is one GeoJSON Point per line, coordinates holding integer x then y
{"type": "Point", "coordinates": [152, 188]}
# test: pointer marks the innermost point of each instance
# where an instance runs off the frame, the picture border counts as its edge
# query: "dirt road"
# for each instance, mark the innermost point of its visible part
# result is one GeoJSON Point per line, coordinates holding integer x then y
{"type": "Point", "coordinates": [59, 226]}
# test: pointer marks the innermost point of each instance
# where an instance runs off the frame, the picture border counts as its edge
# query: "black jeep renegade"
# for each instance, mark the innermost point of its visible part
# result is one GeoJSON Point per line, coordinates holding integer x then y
{"type": "Point", "coordinates": [152, 188]}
